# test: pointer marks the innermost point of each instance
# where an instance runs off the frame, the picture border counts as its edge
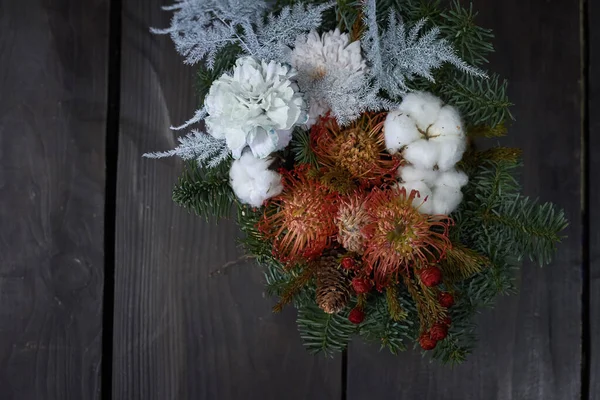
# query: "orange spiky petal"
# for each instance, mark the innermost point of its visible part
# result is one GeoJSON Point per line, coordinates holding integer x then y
{"type": "Point", "coordinates": [301, 220]}
{"type": "Point", "coordinates": [358, 149]}
{"type": "Point", "coordinates": [398, 237]}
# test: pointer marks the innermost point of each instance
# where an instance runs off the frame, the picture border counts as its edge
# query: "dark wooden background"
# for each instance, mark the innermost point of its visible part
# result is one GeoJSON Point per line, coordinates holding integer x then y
{"type": "Point", "coordinates": [108, 290]}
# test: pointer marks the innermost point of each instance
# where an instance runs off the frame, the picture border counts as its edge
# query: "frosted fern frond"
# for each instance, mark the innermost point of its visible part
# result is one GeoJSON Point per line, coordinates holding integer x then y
{"type": "Point", "coordinates": [346, 94]}
{"type": "Point", "coordinates": [200, 28]}
{"type": "Point", "coordinates": [271, 40]}
{"type": "Point", "coordinates": [199, 146]}
{"type": "Point", "coordinates": [399, 55]}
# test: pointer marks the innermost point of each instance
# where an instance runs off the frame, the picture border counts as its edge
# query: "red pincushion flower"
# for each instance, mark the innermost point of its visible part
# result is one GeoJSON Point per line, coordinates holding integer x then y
{"type": "Point", "coordinates": [399, 236]}
{"type": "Point", "coordinates": [357, 150]}
{"type": "Point", "coordinates": [362, 285]}
{"type": "Point", "coordinates": [438, 331]}
{"type": "Point", "coordinates": [301, 220]}
{"type": "Point", "coordinates": [431, 276]}
{"type": "Point", "coordinates": [356, 316]}
{"type": "Point", "coordinates": [426, 342]}
{"type": "Point", "coordinates": [446, 299]}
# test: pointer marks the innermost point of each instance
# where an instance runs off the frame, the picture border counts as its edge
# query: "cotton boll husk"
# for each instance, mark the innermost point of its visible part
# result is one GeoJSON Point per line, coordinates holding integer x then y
{"type": "Point", "coordinates": [446, 199]}
{"type": "Point", "coordinates": [252, 181]}
{"type": "Point", "coordinates": [447, 123]}
{"type": "Point", "coordinates": [422, 107]}
{"type": "Point", "coordinates": [422, 154]}
{"type": "Point", "coordinates": [409, 174]}
{"type": "Point", "coordinates": [424, 201]}
{"type": "Point", "coordinates": [450, 150]}
{"type": "Point", "coordinates": [399, 130]}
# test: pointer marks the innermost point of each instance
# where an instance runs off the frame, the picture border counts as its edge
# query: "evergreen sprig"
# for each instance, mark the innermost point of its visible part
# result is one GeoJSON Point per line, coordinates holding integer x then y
{"type": "Point", "coordinates": [322, 332]}
{"type": "Point", "coordinates": [206, 192]}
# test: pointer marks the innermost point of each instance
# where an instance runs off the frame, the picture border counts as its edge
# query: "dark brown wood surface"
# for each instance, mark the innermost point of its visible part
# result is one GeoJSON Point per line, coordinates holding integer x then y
{"type": "Point", "coordinates": [190, 318]}
{"type": "Point", "coordinates": [53, 82]}
{"type": "Point", "coordinates": [592, 216]}
{"type": "Point", "coordinates": [181, 331]}
{"type": "Point", "coordinates": [530, 344]}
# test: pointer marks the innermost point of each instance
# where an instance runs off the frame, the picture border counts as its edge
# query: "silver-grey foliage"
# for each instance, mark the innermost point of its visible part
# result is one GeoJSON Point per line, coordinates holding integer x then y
{"type": "Point", "coordinates": [199, 146]}
{"type": "Point", "coordinates": [200, 28]}
{"type": "Point", "coordinates": [399, 55]}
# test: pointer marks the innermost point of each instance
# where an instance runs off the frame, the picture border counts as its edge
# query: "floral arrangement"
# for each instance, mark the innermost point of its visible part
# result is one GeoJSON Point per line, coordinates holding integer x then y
{"type": "Point", "coordinates": [345, 135]}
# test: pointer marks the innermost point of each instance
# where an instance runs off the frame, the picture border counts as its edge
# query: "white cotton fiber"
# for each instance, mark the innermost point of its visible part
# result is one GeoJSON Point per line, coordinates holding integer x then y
{"type": "Point", "coordinates": [399, 130]}
{"type": "Point", "coordinates": [450, 150]}
{"type": "Point", "coordinates": [423, 202]}
{"type": "Point", "coordinates": [447, 193]}
{"type": "Point", "coordinates": [422, 107]}
{"type": "Point", "coordinates": [452, 178]}
{"type": "Point", "coordinates": [446, 199]}
{"type": "Point", "coordinates": [422, 154]}
{"type": "Point", "coordinates": [409, 174]}
{"type": "Point", "coordinates": [447, 123]}
{"type": "Point", "coordinates": [252, 181]}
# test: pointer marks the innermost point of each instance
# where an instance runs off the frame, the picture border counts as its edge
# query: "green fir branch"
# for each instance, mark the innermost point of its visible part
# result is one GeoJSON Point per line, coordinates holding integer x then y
{"type": "Point", "coordinates": [206, 192]}
{"type": "Point", "coordinates": [480, 101]}
{"type": "Point", "coordinates": [302, 150]}
{"type": "Point", "coordinates": [322, 332]}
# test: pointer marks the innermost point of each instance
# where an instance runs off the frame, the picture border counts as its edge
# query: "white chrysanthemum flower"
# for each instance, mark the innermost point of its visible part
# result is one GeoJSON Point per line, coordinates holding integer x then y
{"type": "Point", "coordinates": [313, 56]}
{"type": "Point", "coordinates": [428, 133]}
{"type": "Point", "coordinates": [256, 106]}
{"type": "Point", "coordinates": [252, 181]}
{"type": "Point", "coordinates": [440, 191]}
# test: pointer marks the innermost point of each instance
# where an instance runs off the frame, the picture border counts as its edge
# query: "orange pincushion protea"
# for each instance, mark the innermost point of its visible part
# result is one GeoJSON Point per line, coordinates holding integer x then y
{"type": "Point", "coordinates": [351, 218]}
{"type": "Point", "coordinates": [357, 150]}
{"type": "Point", "coordinates": [399, 236]}
{"type": "Point", "coordinates": [301, 220]}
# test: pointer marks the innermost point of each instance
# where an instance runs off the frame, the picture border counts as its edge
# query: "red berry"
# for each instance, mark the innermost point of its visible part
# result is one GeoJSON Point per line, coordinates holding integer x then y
{"type": "Point", "coordinates": [362, 285]}
{"type": "Point", "coordinates": [426, 342]}
{"type": "Point", "coordinates": [446, 299]}
{"type": "Point", "coordinates": [348, 263]}
{"type": "Point", "coordinates": [431, 276]}
{"type": "Point", "coordinates": [438, 332]}
{"type": "Point", "coordinates": [447, 321]}
{"type": "Point", "coordinates": [356, 316]}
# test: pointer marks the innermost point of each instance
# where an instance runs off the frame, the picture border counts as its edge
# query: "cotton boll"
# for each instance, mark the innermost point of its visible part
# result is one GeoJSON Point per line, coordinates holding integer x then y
{"type": "Point", "coordinates": [399, 130]}
{"type": "Point", "coordinates": [424, 201]}
{"type": "Point", "coordinates": [450, 150]}
{"type": "Point", "coordinates": [446, 193]}
{"type": "Point", "coordinates": [446, 199]}
{"type": "Point", "coordinates": [452, 178]}
{"type": "Point", "coordinates": [422, 107]}
{"type": "Point", "coordinates": [252, 181]}
{"type": "Point", "coordinates": [422, 154]}
{"type": "Point", "coordinates": [448, 123]}
{"type": "Point", "coordinates": [409, 174]}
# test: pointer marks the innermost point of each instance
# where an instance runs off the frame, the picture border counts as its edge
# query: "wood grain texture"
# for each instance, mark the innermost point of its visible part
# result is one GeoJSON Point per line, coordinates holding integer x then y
{"type": "Point", "coordinates": [180, 333]}
{"type": "Point", "coordinates": [53, 83]}
{"type": "Point", "coordinates": [530, 344]}
{"type": "Point", "coordinates": [593, 212]}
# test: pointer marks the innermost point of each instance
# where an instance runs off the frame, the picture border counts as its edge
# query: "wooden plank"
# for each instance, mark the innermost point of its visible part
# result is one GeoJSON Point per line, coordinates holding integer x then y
{"type": "Point", "coordinates": [593, 213]}
{"type": "Point", "coordinates": [53, 110]}
{"type": "Point", "coordinates": [180, 332]}
{"type": "Point", "coordinates": [530, 345]}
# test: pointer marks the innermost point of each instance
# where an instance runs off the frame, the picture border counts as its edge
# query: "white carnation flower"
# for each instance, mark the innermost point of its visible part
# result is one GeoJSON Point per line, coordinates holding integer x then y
{"type": "Point", "coordinates": [314, 56]}
{"type": "Point", "coordinates": [256, 106]}
{"type": "Point", "coordinates": [427, 132]}
{"type": "Point", "coordinates": [252, 181]}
